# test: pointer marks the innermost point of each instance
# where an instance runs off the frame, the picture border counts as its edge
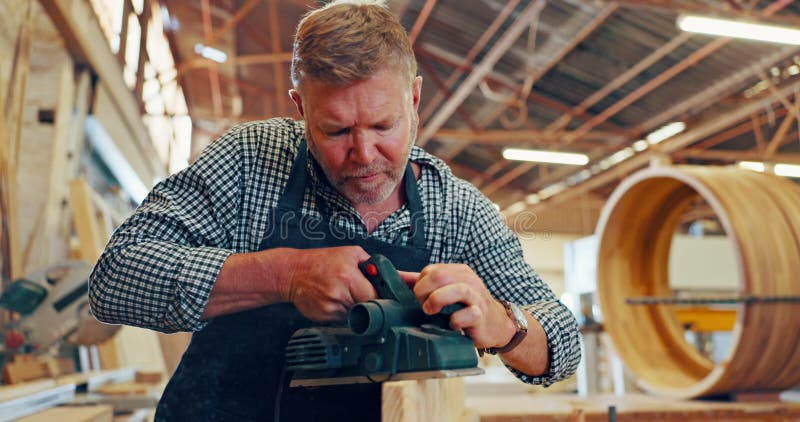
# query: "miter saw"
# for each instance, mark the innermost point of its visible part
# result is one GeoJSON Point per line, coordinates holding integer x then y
{"type": "Point", "coordinates": [53, 306]}
{"type": "Point", "coordinates": [389, 338]}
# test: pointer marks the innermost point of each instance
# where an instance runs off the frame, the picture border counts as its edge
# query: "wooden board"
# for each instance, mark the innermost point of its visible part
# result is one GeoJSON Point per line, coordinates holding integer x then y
{"type": "Point", "coordinates": [99, 413]}
{"type": "Point", "coordinates": [424, 400]}
{"type": "Point", "coordinates": [8, 392]}
{"type": "Point", "coordinates": [636, 407]}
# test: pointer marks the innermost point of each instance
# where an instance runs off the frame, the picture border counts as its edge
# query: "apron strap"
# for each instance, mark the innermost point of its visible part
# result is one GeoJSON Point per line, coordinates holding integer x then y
{"type": "Point", "coordinates": [298, 180]}
{"type": "Point", "coordinates": [417, 233]}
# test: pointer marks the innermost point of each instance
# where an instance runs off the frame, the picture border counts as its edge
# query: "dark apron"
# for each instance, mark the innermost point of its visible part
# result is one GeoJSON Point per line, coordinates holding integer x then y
{"type": "Point", "coordinates": [233, 368]}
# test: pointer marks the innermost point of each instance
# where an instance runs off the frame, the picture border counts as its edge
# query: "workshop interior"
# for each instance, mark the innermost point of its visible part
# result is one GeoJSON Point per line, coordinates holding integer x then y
{"type": "Point", "coordinates": [646, 154]}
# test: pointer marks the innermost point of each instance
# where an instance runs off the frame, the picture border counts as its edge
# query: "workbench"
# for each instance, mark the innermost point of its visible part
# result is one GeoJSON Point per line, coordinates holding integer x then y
{"type": "Point", "coordinates": [628, 408]}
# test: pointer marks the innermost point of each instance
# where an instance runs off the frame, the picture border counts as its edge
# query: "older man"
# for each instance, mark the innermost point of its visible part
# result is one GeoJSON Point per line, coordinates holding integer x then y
{"type": "Point", "coordinates": [264, 233]}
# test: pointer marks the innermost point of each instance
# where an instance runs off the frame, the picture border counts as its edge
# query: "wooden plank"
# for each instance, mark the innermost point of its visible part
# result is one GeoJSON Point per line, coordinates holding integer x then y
{"type": "Point", "coordinates": [144, 25]}
{"type": "Point", "coordinates": [53, 207]}
{"type": "Point", "coordinates": [127, 388]}
{"type": "Point", "coordinates": [424, 400]}
{"type": "Point", "coordinates": [634, 407]}
{"type": "Point", "coordinates": [24, 368]}
{"type": "Point", "coordinates": [127, 8]}
{"type": "Point", "coordinates": [8, 392]}
{"type": "Point", "coordinates": [86, 43]}
{"type": "Point", "coordinates": [91, 240]}
{"type": "Point", "coordinates": [96, 413]}
{"type": "Point", "coordinates": [698, 132]}
{"type": "Point", "coordinates": [13, 107]}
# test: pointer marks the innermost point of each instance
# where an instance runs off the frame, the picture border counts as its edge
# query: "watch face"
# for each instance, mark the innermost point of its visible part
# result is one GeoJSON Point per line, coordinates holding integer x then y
{"type": "Point", "coordinates": [522, 321]}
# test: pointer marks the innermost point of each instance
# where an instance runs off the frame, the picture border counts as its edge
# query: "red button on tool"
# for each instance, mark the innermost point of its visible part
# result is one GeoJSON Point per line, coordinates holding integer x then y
{"type": "Point", "coordinates": [14, 339]}
{"type": "Point", "coordinates": [372, 269]}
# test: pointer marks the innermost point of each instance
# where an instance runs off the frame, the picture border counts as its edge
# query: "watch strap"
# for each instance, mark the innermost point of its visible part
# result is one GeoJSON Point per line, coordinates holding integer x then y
{"type": "Point", "coordinates": [522, 331]}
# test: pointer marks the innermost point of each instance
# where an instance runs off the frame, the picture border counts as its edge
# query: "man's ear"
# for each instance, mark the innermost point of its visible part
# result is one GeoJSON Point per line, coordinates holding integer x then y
{"type": "Point", "coordinates": [298, 102]}
{"type": "Point", "coordinates": [416, 91]}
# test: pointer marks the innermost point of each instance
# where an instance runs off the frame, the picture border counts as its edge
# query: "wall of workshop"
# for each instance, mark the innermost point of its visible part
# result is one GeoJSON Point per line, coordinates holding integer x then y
{"type": "Point", "coordinates": [544, 251]}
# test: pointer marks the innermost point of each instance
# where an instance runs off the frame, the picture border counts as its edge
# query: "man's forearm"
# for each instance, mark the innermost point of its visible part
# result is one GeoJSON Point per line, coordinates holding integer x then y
{"type": "Point", "coordinates": [248, 281]}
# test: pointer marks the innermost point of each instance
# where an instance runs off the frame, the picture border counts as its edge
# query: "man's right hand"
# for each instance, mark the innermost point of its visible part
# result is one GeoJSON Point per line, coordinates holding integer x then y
{"type": "Point", "coordinates": [325, 283]}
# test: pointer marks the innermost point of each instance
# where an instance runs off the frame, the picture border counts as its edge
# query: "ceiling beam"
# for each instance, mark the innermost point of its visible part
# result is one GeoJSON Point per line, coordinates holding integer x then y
{"type": "Point", "coordinates": [424, 14]}
{"type": "Point", "coordinates": [281, 92]}
{"type": "Point", "coordinates": [562, 52]}
{"type": "Point", "coordinates": [487, 35]}
{"type": "Point", "coordinates": [127, 8]}
{"type": "Point", "coordinates": [213, 75]}
{"type": "Point", "coordinates": [481, 70]}
{"type": "Point", "coordinates": [698, 7]}
{"type": "Point", "coordinates": [241, 13]}
{"type": "Point", "coordinates": [780, 134]}
{"type": "Point", "coordinates": [755, 122]}
{"type": "Point", "coordinates": [629, 99]}
{"type": "Point", "coordinates": [440, 56]}
{"type": "Point", "coordinates": [716, 91]}
{"type": "Point", "coordinates": [733, 156]}
{"type": "Point", "coordinates": [620, 80]}
{"type": "Point", "coordinates": [441, 87]}
{"type": "Point", "coordinates": [515, 137]}
{"type": "Point", "coordinates": [243, 60]}
{"type": "Point", "coordinates": [683, 140]}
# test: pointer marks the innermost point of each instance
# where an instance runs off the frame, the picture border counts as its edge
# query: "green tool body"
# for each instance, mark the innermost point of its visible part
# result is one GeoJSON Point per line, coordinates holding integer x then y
{"type": "Point", "coordinates": [386, 338]}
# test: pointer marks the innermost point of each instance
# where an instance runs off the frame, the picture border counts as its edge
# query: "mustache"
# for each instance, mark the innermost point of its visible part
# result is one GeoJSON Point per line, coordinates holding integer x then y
{"type": "Point", "coordinates": [362, 172]}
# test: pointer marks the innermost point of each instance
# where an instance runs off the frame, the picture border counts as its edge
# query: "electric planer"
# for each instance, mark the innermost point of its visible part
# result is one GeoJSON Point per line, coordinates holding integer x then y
{"type": "Point", "coordinates": [389, 338]}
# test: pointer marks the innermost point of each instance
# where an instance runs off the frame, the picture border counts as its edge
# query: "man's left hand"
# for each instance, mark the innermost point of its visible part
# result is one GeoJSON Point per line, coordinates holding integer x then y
{"type": "Point", "coordinates": [483, 318]}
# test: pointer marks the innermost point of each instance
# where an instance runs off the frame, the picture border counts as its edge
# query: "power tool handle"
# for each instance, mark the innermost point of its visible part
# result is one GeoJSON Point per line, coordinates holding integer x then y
{"type": "Point", "coordinates": [451, 309]}
{"type": "Point", "coordinates": [386, 280]}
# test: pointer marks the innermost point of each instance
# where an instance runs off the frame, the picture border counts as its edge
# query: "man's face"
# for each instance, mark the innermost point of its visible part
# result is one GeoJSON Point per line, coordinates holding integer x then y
{"type": "Point", "coordinates": [361, 134]}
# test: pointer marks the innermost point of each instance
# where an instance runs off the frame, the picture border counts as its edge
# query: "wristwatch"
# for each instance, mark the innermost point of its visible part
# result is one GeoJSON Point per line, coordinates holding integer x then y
{"type": "Point", "coordinates": [518, 317]}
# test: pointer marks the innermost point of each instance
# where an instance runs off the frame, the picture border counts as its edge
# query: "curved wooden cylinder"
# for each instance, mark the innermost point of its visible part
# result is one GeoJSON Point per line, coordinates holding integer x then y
{"type": "Point", "coordinates": [761, 216]}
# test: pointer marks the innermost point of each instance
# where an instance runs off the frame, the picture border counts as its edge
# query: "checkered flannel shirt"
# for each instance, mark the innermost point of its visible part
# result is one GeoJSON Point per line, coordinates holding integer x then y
{"type": "Point", "coordinates": [158, 269]}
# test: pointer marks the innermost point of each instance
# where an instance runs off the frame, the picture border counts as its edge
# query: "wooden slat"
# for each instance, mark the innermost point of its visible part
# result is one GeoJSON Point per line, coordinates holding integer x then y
{"type": "Point", "coordinates": [96, 413]}
{"type": "Point", "coordinates": [84, 39]}
{"type": "Point", "coordinates": [91, 239]}
{"type": "Point", "coordinates": [57, 191]}
{"type": "Point", "coordinates": [424, 400]}
{"type": "Point", "coordinates": [634, 407]}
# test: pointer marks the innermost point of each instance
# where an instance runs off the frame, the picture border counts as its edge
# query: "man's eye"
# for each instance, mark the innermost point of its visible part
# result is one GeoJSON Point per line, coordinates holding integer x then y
{"type": "Point", "coordinates": [339, 132]}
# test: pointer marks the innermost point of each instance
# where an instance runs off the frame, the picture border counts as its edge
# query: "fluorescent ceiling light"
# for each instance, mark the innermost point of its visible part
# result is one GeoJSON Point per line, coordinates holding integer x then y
{"type": "Point", "coordinates": [665, 132]}
{"type": "Point", "coordinates": [640, 145]}
{"type": "Point", "coordinates": [516, 207]}
{"type": "Point", "coordinates": [538, 156]}
{"type": "Point", "coordinates": [211, 53]}
{"type": "Point", "coordinates": [752, 165]}
{"type": "Point", "coordinates": [739, 29]}
{"type": "Point", "coordinates": [553, 189]}
{"type": "Point", "coordinates": [621, 155]}
{"type": "Point", "coordinates": [787, 170]}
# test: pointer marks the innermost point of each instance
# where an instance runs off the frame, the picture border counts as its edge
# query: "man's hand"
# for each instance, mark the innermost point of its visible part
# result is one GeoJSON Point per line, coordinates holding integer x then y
{"type": "Point", "coordinates": [483, 318]}
{"type": "Point", "coordinates": [325, 283]}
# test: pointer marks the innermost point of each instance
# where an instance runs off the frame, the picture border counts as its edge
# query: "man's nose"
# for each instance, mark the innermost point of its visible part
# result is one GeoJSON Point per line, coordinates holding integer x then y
{"type": "Point", "coordinates": [363, 149]}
